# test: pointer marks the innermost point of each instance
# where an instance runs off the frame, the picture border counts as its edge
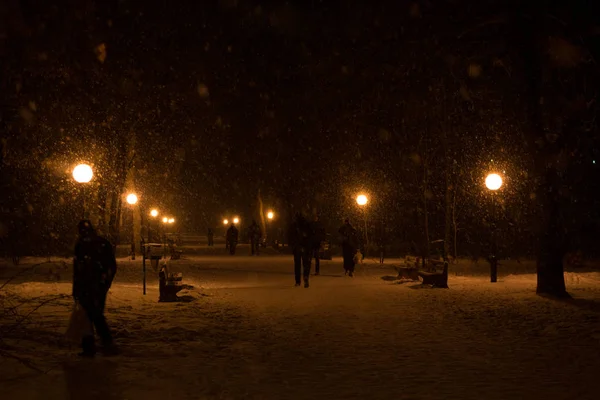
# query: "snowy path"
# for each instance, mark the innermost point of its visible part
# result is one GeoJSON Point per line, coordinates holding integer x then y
{"type": "Point", "coordinates": [246, 333]}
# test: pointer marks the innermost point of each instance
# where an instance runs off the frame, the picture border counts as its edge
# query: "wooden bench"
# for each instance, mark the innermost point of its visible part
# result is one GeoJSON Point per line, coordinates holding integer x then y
{"type": "Point", "coordinates": [412, 261]}
{"type": "Point", "coordinates": [154, 253]}
{"type": "Point", "coordinates": [169, 285]}
{"type": "Point", "coordinates": [433, 277]}
{"type": "Point", "coordinates": [411, 273]}
{"type": "Point", "coordinates": [432, 265]}
{"type": "Point", "coordinates": [174, 252]}
{"type": "Point", "coordinates": [409, 270]}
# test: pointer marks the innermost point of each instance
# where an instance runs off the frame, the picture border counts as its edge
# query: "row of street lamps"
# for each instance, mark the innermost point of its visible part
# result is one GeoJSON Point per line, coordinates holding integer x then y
{"type": "Point", "coordinates": [83, 173]}
{"type": "Point", "coordinates": [132, 200]}
{"type": "Point", "coordinates": [236, 220]}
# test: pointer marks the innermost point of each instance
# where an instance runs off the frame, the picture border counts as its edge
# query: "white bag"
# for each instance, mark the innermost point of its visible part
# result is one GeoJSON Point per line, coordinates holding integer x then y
{"type": "Point", "coordinates": [79, 325]}
{"type": "Point", "coordinates": [358, 258]}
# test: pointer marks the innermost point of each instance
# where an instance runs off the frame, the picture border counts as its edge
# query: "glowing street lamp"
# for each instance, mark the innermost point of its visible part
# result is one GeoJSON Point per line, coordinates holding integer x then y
{"type": "Point", "coordinates": [362, 200]}
{"type": "Point", "coordinates": [83, 173]}
{"type": "Point", "coordinates": [236, 220]}
{"type": "Point", "coordinates": [225, 221]}
{"type": "Point", "coordinates": [154, 213]}
{"type": "Point", "coordinates": [171, 220]}
{"type": "Point", "coordinates": [132, 199]}
{"type": "Point", "coordinates": [493, 181]}
{"type": "Point", "coordinates": [270, 215]}
{"type": "Point", "coordinates": [165, 220]}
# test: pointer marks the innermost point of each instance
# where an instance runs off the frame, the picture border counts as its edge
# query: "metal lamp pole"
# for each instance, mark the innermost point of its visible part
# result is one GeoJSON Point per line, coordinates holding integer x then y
{"type": "Point", "coordinates": [132, 200]}
{"type": "Point", "coordinates": [366, 230]}
{"type": "Point", "coordinates": [493, 182]}
{"type": "Point", "coordinates": [362, 201]}
{"type": "Point", "coordinates": [493, 257]}
{"type": "Point", "coordinates": [270, 216]}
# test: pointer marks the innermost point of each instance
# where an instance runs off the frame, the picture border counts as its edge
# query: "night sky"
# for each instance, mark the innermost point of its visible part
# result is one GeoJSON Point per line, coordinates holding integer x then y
{"type": "Point", "coordinates": [204, 103]}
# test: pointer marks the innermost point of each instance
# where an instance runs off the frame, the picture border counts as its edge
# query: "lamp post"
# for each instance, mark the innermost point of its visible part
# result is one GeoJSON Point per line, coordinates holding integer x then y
{"type": "Point", "coordinates": [174, 235]}
{"type": "Point", "coordinates": [362, 201]}
{"type": "Point", "coordinates": [236, 221]}
{"type": "Point", "coordinates": [270, 216]}
{"type": "Point", "coordinates": [83, 173]}
{"type": "Point", "coordinates": [154, 214]}
{"type": "Point", "coordinates": [493, 182]}
{"type": "Point", "coordinates": [165, 221]}
{"type": "Point", "coordinates": [132, 200]}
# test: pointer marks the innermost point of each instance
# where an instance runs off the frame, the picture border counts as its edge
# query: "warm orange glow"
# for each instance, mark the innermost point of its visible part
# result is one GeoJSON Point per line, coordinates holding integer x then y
{"type": "Point", "coordinates": [493, 181]}
{"type": "Point", "coordinates": [132, 198]}
{"type": "Point", "coordinates": [83, 173]}
{"type": "Point", "coordinates": [361, 200]}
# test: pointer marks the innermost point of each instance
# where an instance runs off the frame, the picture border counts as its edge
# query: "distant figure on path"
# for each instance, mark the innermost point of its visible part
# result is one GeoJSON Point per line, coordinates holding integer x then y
{"type": "Point", "coordinates": [319, 232]}
{"type": "Point", "coordinates": [94, 268]}
{"type": "Point", "coordinates": [302, 240]}
{"type": "Point", "coordinates": [210, 234]}
{"type": "Point", "coordinates": [381, 240]}
{"type": "Point", "coordinates": [255, 234]}
{"type": "Point", "coordinates": [349, 246]}
{"type": "Point", "coordinates": [232, 238]}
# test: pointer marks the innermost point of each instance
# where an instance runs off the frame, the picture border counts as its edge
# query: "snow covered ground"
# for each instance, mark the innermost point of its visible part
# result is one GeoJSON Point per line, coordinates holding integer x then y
{"type": "Point", "coordinates": [242, 331]}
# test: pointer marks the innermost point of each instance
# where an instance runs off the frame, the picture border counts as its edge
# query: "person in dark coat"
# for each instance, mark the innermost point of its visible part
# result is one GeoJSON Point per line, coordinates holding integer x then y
{"type": "Point", "coordinates": [232, 238]}
{"type": "Point", "coordinates": [94, 268]}
{"type": "Point", "coordinates": [254, 233]}
{"type": "Point", "coordinates": [381, 241]}
{"type": "Point", "coordinates": [319, 232]}
{"type": "Point", "coordinates": [349, 246]}
{"type": "Point", "coordinates": [210, 234]}
{"type": "Point", "coordinates": [302, 241]}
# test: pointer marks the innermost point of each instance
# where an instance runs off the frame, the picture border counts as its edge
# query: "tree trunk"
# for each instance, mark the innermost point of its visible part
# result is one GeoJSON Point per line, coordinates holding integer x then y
{"type": "Point", "coordinates": [449, 214]}
{"type": "Point", "coordinates": [448, 164]}
{"type": "Point", "coordinates": [425, 212]}
{"type": "Point", "coordinates": [113, 229]}
{"type": "Point", "coordinates": [454, 242]}
{"type": "Point", "coordinates": [261, 213]}
{"type": "Point", "coordinates": [102, 209]}
{"type": "Point", "coordinates": [550, 252]}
